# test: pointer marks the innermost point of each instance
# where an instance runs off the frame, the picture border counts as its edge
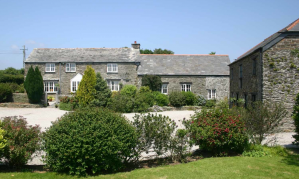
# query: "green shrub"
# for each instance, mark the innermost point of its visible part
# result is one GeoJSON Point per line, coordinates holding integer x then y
{"type": "Point", "coordinates": [223, 104]}
{"type": "Point", "coordinates": [177, 99]}
{"type": "Point", "coordinates": [201, 101]}
{"type": "Point", "coordinates": [255, 151]}
{"type": "Point", "coordinates": [121, 103]}
{"type": "Point", "coordinates": [8, 78]}
{"type": "Point", "coordinates": [218, 131]}
{"type": "Point", "coordinates": [13, 86]}
{"type": "Point", "coordinates": [179, 145]}
{"type": "Point", "coordinates": [154, 132]}
{"type": "Point", "coordinates": [34, 85]}
{"type": "Point", "coordinates": [89, 140]}
{"type": "Point", "coordinates": [152, 81]}
{"type": "Point", "coordinates": [21, 88]}
{"type": "Point", "coordinates": [5, 92]}
{"type": "Point", "coordinates": [190, 98]}
{"type": "Point", "coordinates": [296, 119]}
{"type": "Point", "coordinates": [144, 89]}
{"type": "Point", "coordinates": [86, 89]}
{"type": "Point", "coordinates": [2, 141]}
{"type": "Point", "coordinates": [129, 90]}
{"type": "Point", "coordinates": [12, 71]}
{"type": "Point", "coordinates": [22, 140]}
{"type": "Point", "coordinates": [69, 103]}
{"type": "Point", "coordinates": [143, 101]}
{"type": "Point", "coordinates": [160, 99]}
{"type": "Point", "coordinates": [102, 93]}
{"type": "Point", "coordinates": [211, 103]}
{"type": "Point", "coordinates": [65, 106]}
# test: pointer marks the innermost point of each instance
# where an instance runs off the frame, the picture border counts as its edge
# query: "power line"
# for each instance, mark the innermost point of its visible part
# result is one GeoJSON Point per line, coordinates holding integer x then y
{"type": "Point", "coordinates": [10, 53]}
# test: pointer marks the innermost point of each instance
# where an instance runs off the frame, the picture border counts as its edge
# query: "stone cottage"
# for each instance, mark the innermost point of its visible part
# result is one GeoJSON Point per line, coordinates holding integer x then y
{"type": "Point", "coordinates": [62, 69]}
{"type": "Point", "coordinates": [269, 71]}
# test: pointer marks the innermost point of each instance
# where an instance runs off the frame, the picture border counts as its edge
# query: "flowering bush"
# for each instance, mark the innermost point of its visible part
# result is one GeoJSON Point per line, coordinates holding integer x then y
{"type": "Point", "coordinates": [68, 103]}
{"type": "Point", "coordinates": [218, 131]}
{"type": "Point", "coordinates": [22, 140]}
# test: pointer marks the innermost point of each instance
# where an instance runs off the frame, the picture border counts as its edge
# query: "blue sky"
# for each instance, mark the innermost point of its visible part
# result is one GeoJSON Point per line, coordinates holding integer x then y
{"type": "Point", "coordinates": [185, 27]}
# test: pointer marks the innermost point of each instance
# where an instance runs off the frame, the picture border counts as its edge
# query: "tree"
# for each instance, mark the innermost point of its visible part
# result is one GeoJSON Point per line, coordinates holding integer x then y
{"type": "Point", "coordinates": [152, 81]}
{"type": "Point", "coordinates": [102, 92]}
{"type": "Point", "coordinates": [34, 85]}
{"type": "Point", "coordinates": [86, 90]}
{"type": "Point", "coordinates": [156, 51]}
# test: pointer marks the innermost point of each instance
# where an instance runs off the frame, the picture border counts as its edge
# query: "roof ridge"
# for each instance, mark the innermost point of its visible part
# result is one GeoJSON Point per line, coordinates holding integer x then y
{"type": "Point", "coordinates": [186, 54]}
{"type": "Point", "coordinates": [289, 27]}
{"type": "Point", "coordinates": [83, 48]}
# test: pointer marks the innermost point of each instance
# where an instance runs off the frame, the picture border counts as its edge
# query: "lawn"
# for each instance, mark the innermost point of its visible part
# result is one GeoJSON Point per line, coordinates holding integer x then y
{"type": "Point", "coordinates": [225, 167]}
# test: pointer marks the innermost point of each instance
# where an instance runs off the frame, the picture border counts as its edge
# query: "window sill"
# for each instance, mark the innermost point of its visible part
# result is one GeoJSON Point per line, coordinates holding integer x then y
{"type": "Point", "coordinates": [112, 72]}
{"type": "Point", "coordinates": [49, 71]}
{"type": "Point", "coordinates": [70, 72]}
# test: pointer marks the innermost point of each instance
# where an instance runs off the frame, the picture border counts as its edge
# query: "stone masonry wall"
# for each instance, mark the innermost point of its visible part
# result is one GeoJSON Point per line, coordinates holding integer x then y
{"type": "Point", "coordinates": [251, 83]}
{"type": "Point", "coordinates": [199, 85]}
{"type": "Point", "coordinates": [127, 73]}
{"type": "Point", "coordinates": [281, 77]}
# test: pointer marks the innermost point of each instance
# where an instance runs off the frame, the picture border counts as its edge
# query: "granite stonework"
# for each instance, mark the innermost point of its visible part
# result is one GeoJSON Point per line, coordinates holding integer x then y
{"type": "Point", "coordinates": [199, 84]}
{"type": "Point", "coordinates": [281, 77]}
{"type": "Point", "coordinates": [251, 84]}
{"type": "Point", "coordinates": [127, 73]}
{"type": "Point", "coordinates": [20, 98]}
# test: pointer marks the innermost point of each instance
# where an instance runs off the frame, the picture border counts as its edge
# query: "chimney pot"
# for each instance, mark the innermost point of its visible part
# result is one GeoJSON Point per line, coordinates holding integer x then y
{"type": "Point", "coordinates": [135, 42]}
{"type": "Point", "coordinates": [135, 45]}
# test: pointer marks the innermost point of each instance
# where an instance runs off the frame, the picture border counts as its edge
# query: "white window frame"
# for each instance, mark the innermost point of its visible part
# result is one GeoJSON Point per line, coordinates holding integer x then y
{"type": "Point", "coordinates": [113, 85]}
{"type": "Point", "coordinates": [70, 67]}
{"type": "Point", "coordinates": [48, 85]}
{"type": "Point", "coordinates": [50, 67]}
{"type": "Point", "coordinates": [184, 87]}
{"type": "Point", "coordinates": [163, 87]}
{"type": "Point", "coordinates": [74, 86]}
{"type": "Point", "coordinates": [212, 94]}
{"type": "Point", "coordinates": [112, 68]}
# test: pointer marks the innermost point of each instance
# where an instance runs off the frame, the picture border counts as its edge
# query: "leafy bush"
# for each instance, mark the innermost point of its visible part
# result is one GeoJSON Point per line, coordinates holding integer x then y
{"type": "Point", "coordinates": [218, 131]}
{"type": "Point", "coordinates": [34, 85]}
{"type": "Point", "coordinates": [121, 103]}
{"type": "Point", "coordinates": [211, 103]}
{"type": "Point", "coordinates": [144, 89]}
{"type": "Point", "coordinates": [143, 101]}
{"type": "Point", "coordinates": [177, 99]}
{"type": "Point", "coordinates": [5, 92]}
{"type": "Point", "coordinates": [102, 92]}
{"type": "Point", "coordinates": [154, 132]}
{"type": "Point", "coordinates": [296, 119]}
{"type": "Point", "coordinates": [65, 106]}
{"type": "Point", "coordinates": [152, 81]}
{"type": "Point", "coordinates": [68, 103]}
{"type": "Point", "coordinates": [223, 104]}
{"type": "Point", "coordinates": [160, 99]}
{"type": "Point", "coordinates": [2, 141]}
{"type": "Point", "coordinates": [13, 86]}
{"type": "Point", "coordinates": [8, 78]}
{"type": "Point", "coordinates": [255, 151]}
{"type": "Point", "coordinates": [178, 145]}
{"type": "Point", "coordinates": [201, 101]}
{"type": "Point", "coordinates": [262, 118]}
{"type": "Point", "coordinates": [89, 140]}
{"type": "Point", "coordinates": [129, 90]}
{"type": "Point", "coordinates": [22, 140]}
{"type": "Point", "coordinates": [190, 98]}
{"type": "Point", "coordinates": [12, 71]}
{"type": "Point", "coordinates": [86, 89]}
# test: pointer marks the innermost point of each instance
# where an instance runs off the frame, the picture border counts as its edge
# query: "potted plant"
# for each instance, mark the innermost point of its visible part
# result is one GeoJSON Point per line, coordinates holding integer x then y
{"type": "Point", "coordinates": [50, 98]}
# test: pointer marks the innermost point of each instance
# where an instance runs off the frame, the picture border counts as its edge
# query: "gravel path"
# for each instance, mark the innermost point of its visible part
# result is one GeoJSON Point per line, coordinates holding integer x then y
{"type": "Point", "coordinates": [44, 117]}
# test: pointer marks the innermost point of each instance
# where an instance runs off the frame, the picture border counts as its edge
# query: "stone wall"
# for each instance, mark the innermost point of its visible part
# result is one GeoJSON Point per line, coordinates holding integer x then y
{"type": "Point", "coordinates": [127, 73]}
{"type": "Point", "coordinates": [20, 98]}
{"type": "Point", "coordinates": [199, 84]}
{"type": "Point", "coordinates": [252, 84]}
{"type": "Point", "coordinates": [280, 77]}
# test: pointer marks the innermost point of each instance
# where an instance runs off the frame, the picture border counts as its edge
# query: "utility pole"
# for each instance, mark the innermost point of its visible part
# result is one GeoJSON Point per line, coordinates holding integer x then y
{"type": "Point", "coordinates": [24, 56]}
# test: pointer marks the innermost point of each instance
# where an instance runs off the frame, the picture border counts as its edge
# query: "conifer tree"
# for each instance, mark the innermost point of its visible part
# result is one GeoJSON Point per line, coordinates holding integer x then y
{"type": "Point", "coordinates": [34, 85]}
{"type": "Point", "coordinates": [86, 90]}
{"type": "Point", "coordinates": [102, 93]}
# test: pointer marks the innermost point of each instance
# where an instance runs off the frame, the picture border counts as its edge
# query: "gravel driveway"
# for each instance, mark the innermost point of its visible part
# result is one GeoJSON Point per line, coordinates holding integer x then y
{"type": "Point", "coordinates": [44, 117]}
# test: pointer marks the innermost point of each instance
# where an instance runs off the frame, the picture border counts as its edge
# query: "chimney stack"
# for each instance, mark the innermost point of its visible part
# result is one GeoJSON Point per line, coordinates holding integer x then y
{"type": "Point", "coordinates": [135, 45]}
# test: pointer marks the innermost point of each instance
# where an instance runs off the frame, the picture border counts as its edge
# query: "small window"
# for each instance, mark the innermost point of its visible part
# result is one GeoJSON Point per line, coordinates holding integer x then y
{"type": "Point", "coordinates": [74, 86]}
{"type": "Point", "coordinates": [237, 96]}
{"type": "Point", "coordinates": [186, 87]}
{"type": "Point", "coordinates": [211, 93]}
{"type": "Point", "coordinates": [253, 97]}
{"type": "Point", "coordinates": [50, 86]}
{"type": "Point", "coordinates": [70, 67]}
{"type": "Point", "coordinates": [241, 71]}
{"type": "Point", "coordinates": [50, 67]}
{"type": "Point", "coordinates": [164, 88]}
{"type": "Point", "coordinates": [231, 73]}
{"type": "Point", "coordinates": [113, 85]}
{"type": "Point", "coordinates": [112, 68]}
{"type": "Point", "coordinates": [246, 100]}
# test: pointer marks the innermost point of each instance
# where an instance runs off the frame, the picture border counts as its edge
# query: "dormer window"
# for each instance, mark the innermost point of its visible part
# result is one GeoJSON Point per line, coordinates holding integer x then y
{"type": "Point", "coordinates": [50, 67]}
{"type": "Point", "coordinates": [112, 68]}
{"type": "Point", "coordinates": [70, 67]}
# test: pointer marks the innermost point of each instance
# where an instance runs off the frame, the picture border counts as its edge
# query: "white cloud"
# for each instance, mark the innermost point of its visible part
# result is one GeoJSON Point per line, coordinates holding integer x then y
{"type": "Point", "coordinates": [14, 47]}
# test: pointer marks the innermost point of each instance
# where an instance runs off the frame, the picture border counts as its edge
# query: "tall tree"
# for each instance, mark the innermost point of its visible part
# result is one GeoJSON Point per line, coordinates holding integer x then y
{"type": "Point", "coordinates": [102, 93]}
{"type": "Point", "coordinates": [34, 85]}
{"type": "Point", "coordinates": [86, 90]}
{"type": "Point", "coordinates": [154, 82]}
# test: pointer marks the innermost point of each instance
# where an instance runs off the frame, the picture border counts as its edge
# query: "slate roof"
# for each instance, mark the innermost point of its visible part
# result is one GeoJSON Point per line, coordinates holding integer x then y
{"type": "Point", "coordinates": [83, 55]}
{"type": "Point", "coordinates": [184, 65]}
{"type": "Point", "coordinates": [293, 27]}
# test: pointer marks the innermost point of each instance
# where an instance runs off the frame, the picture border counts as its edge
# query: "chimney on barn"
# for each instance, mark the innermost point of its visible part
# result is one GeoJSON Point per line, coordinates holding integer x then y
{"type": "Point", "coordinates": [135, 45]}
